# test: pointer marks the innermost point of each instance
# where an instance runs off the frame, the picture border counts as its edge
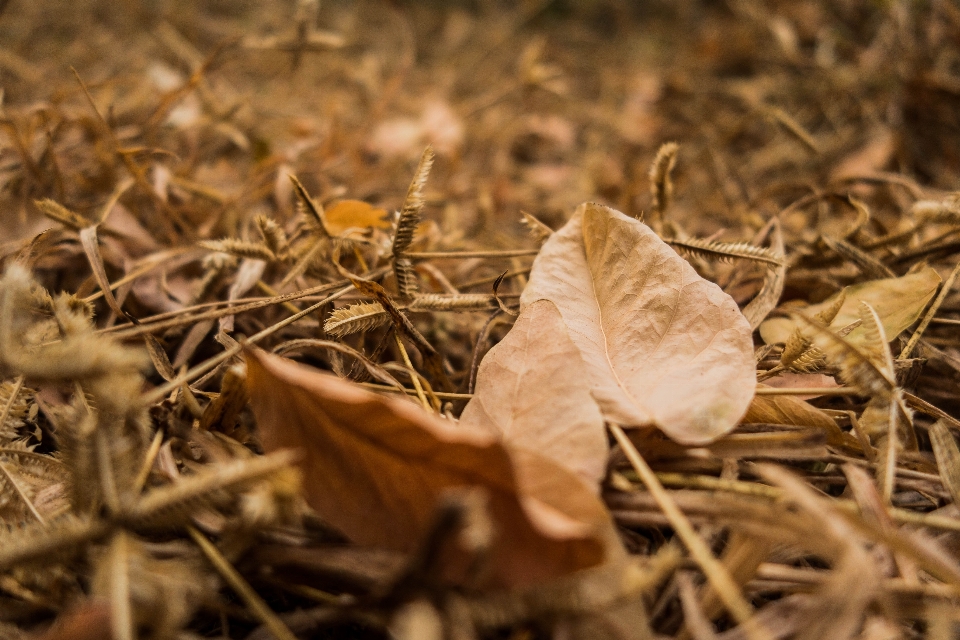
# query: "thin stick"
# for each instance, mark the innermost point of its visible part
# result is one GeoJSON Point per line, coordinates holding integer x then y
{"type": "Point", "coordinates": [888, 472]}
{"type": "Point", "coordinates": [461, 255]}
{"type": "Point", "coordinates": [148, 462]}
{"type": "Point", "coordinates": [807, 391]}
{"type": "Point", "coordinates": [242, 588]}
{"type": "Point", "coordinates": [442, 395]}
{"type": "Point", "coordinates": [412, 372]}
{"type": "Point", "coordinates": [931, 311]}
{"type": "Point", "coordinates": [121, 618]}
{"type": "Point", "coordinates": [949, 321]}
{"type": "Point", "coordinates": [153, 323]}
{"type": "Point", "coordinates": [757, 490]}
{"type": "Point", "coordinates": [270, 291]}
{"type": "Point", "coordinates": [716, 573]}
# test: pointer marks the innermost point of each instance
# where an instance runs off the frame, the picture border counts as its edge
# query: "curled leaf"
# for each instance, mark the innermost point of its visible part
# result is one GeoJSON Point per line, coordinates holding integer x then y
{"type": "Point", "coordinates": [661, 345]}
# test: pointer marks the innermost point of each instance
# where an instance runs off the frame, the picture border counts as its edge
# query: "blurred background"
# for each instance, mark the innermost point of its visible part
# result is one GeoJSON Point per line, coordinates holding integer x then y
{"type": "Point", "coordinates": [533, 106]}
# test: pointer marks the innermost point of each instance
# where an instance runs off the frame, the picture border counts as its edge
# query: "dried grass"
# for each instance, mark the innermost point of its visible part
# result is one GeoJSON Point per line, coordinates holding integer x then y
{"type": "Point", "coordinates": [149, 211]}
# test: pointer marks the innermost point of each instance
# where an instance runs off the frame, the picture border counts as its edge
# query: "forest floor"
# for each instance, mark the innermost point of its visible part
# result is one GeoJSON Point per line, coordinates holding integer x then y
{"type": "Point", "coordinates": [727, 409]}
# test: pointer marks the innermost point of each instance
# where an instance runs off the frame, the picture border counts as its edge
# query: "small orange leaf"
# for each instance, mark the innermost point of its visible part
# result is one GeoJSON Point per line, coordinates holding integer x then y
{"type": "Point", "coordinates": [355, 214]}
{"type": "Point", "coordinates": [375, 467]}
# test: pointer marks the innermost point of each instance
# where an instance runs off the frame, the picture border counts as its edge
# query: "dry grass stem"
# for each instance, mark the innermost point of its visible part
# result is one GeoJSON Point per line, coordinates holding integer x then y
{"type": "Point", "coordinates": [477, 321]}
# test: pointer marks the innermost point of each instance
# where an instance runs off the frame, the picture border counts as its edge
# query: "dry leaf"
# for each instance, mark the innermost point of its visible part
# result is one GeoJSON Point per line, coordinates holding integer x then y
{"type": "Point", "coordinates": [355, 214]}
{"type": "Point", "coordinates": [438, 126]}
{"type": "Point", "coordinates": [871, 157]}
{"type": "Point", "coordinates": [249, 272]}
{"type": "Point", "coordinates": [375, 467]}
{"type": "Point", "coordinates": [897, 301]}
{"type": "Point", "coordinates": [661, 345]}
{"type": "Point", "coordinates": [89, 620]}
{"type": "Point", "coordinates": [530, 392]}
{"type": "Point", "coordinates": [793, 411]}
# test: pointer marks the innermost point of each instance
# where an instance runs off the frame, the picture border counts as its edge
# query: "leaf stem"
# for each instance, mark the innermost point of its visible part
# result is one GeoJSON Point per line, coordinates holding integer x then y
{"type": "Point", "coordinates": [148, 462]}
{"type": "Point", "coordinates": [462, 255]}
{"type": "Point", "coordinates": [412, 372]}
{"type": "Point", "coordinates": [807, 391]}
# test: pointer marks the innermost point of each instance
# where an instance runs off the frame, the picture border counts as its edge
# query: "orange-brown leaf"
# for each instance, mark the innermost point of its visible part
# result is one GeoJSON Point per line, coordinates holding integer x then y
{"type": "Point", "coordinates": [355, 214]}
{"type": "Point", "coordinates": [375, 467]}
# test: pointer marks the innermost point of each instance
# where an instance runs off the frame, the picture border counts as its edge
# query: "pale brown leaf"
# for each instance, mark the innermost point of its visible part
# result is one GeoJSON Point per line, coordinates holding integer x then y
{"type": "Point", "coordinates": [897, 301]}
{"type": "Point", "coordinates": [91, 246]}
{"type": "Point", "coordinates": [874, 155]}
{"type": "Point", "coordinates": [374, 467]}
{"type": "Point", "coordinates": [530, 392]}
{"type": "Point", "coordinates": [662, 346]}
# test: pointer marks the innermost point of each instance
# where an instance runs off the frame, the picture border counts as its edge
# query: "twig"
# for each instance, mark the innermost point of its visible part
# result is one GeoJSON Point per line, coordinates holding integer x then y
{"type": "Point", "coordinates": [461, 255]}
{"type": "Point", "coordinates": [808, 391]}
{"type": "Point", "coordinates": [442, 395]}
{"type": "Point", "coordinates": [148, 459]}
{"type": "Point", "coordinates": [716, 573]}
{"type": "Point", "coordinates": [243, 589]}
{"type": "Point", "coordinates": [158, 393]}
{"type": "Point", "coordinates": [413, 373]}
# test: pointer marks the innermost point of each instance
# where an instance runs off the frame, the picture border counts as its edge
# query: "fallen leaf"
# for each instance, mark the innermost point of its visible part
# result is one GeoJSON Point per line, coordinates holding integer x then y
{"type": "Point", "coordinates": [871, 157]}
{"type": "Point", "coordinates": [438, 125]}
{"type": "Point", "coordinates": [374, 467]}
{"type": "Point", "coordinates": [530, 392]}
{"type": "Point", "coordinates": [355, 214]}
{"type": "Point", "coordinates": [248, 273]}
{"type": "Point", "coordinates": [661, 345]}
{"type": "Point", "coordinates": [794, 411]}
{"type": "Point", "coordinates": [897, 301]}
